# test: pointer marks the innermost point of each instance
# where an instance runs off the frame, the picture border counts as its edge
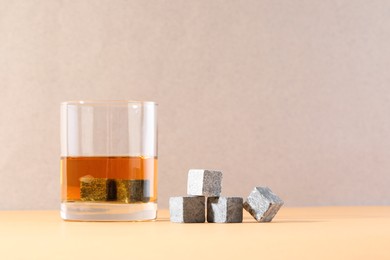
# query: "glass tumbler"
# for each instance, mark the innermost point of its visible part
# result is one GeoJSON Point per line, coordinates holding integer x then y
{"type": "Point", "coordinates": [108, 160]}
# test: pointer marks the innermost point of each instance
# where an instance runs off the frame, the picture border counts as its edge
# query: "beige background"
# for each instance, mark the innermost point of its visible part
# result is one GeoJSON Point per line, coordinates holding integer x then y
{"type": "Point", "coordinates": [290, 94]}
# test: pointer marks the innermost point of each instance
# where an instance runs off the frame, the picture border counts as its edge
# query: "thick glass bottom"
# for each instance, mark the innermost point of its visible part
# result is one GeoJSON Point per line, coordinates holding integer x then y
{"type": "Point", "coordinates": [90, 211]}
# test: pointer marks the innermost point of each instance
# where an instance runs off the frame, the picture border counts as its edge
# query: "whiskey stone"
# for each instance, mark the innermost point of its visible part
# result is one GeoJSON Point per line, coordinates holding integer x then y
{"type": "Point", "coordinates": [187, 209]}
{"type": "Point", "coordinates": [133, 191]}
{"type": "Point", "coordinates": [263, 204]}
{"type": "Point", "coordinates": [204, 183]}
{"type": "Point", "coordinates": [139, 191]}
{"type": "Point", "coordinates": [224, 209]}
{"type": "Point", "coordinates": [93, 189]}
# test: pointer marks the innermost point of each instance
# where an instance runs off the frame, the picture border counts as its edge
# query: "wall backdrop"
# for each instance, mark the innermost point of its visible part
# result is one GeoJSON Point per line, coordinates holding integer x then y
{"type": "Point", "coordinates": [290, 94]}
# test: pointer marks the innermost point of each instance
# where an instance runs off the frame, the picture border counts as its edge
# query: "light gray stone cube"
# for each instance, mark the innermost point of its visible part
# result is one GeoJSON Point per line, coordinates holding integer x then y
{"type": "Point", "coordinates": [204, 183]}
{"type": "Point", "coordinates": [224, 209]}
{"type": "Point", "coordinates": [187, 209]}
{"type": "Point", "coordinates": [263, 204]}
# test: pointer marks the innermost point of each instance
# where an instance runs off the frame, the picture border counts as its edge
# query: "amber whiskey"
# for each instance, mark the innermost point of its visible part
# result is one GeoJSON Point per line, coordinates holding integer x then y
{"type": "Point", "coordinates": [111, 179]}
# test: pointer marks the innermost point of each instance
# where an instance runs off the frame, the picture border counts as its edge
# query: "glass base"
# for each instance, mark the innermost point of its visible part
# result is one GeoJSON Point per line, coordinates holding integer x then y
{"type": "Point", "coordinates": [87, 211]}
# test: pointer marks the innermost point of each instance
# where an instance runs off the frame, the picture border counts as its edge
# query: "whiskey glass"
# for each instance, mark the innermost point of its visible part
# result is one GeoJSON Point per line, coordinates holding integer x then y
{"type": "Point", "coordinates": [109, 160]}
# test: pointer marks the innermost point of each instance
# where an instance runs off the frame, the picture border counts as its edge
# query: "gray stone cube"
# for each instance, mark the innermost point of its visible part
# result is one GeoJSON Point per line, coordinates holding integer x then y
{"type": "Point", "coordinates": [187, 209]}
{"type": "Point", "coordinates": [224, 209]}
{"type": "Point", "coordinates": [204, 183]}
{"type": "Point", "coordinates": [129, 191]}
{"type": "Point", "coordinates": [263, 204]}
{"type": "Point", "coordinates": [93, 189]}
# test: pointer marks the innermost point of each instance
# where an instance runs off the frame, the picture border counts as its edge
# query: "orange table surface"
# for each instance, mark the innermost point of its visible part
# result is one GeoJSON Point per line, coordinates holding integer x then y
{"type": "Point", "coordinates": [295, 233]}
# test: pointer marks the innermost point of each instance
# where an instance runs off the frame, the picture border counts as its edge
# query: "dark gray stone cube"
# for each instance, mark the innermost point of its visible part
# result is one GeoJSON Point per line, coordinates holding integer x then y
{"type": "Point", "coordinates": [263, 204]}
{"type": "Point", "coordinates": [204, 183]}
{"type": "Point", "coordinates": [187, 209]}
{"type": "Point", "coordinates": [129, 191]}
{"type": "Point", "coordinates": [224, 209]}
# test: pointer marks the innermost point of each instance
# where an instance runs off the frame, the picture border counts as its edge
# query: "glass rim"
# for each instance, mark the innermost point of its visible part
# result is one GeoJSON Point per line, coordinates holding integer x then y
{"type": "Point", "coordinates": [108, 102]}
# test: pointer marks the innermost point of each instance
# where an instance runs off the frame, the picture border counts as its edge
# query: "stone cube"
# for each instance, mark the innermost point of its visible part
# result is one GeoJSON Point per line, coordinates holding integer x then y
{"type": "Point", "coordinates": [187, 209]}
{"type": "Point", "coordinates": [263, 204]}
{"type": "Point", "coordinates": [204, 183]}
{"type": "Point", "coordinates": [93, 189]}
{"type": "Point", "coordinates": [133, 190]}
{"type": "Point", "coordinates": [224, 209]}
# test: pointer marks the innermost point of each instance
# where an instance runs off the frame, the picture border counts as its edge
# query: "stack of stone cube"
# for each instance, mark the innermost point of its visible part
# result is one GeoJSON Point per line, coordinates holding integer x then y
{"type": "Point", "coordinates": [262, 204]}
